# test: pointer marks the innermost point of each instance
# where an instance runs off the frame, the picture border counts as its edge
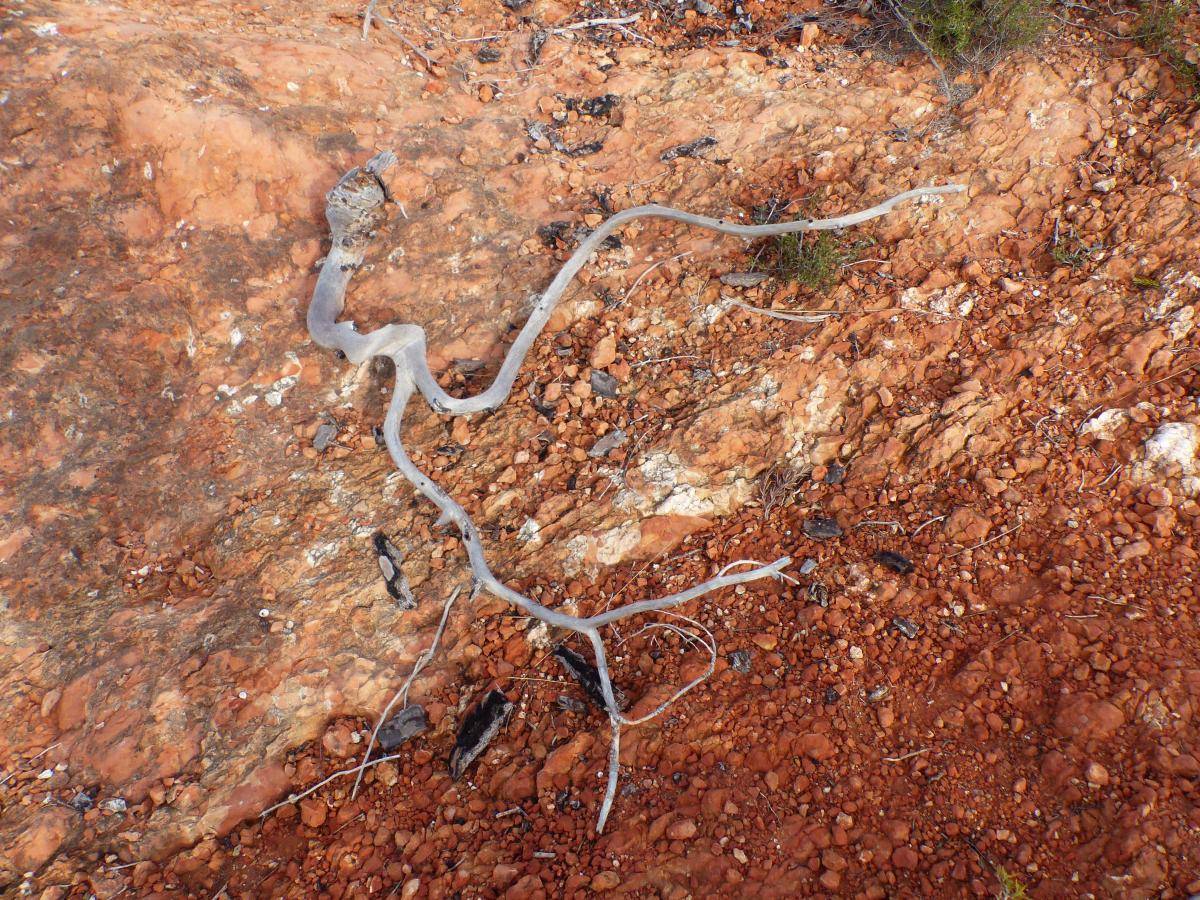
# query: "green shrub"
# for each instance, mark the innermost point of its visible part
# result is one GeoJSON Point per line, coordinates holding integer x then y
{"type": "Point", "coordinates": [1156, 31]}
{"type": "Point", "coordinates": [1011, 887]}
{"type": "Point", "coordinates": [976, 33]}
{"type": "Point", "coordinates": [814, 259]}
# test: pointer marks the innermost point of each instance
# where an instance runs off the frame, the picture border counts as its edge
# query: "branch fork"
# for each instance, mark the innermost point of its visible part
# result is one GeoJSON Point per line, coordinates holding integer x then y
{"type": "Point", "coordinates": [355, 210]}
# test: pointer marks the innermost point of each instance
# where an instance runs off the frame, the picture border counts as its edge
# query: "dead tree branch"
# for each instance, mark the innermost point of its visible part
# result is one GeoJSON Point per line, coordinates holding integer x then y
{"type": "Point", "coordinates": [355, 209]}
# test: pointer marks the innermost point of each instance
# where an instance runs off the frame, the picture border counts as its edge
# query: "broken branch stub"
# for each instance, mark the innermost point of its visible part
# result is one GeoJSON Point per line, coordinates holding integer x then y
{"type": "Point", "coordinates": [355, 209]}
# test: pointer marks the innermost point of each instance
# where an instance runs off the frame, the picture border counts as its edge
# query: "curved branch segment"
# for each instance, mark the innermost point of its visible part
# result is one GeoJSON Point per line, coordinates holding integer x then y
{"type": "Point", "coordinates": [355, 209]}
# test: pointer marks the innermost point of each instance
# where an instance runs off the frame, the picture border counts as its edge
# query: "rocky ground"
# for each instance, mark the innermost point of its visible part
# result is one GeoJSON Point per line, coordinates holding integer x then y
{"type": "Point", "coordinates": [192, 617]}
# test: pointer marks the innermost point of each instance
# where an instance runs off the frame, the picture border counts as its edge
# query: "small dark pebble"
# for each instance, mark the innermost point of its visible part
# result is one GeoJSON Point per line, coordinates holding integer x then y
{"type": "Point", "coordinates": [82, 802]}
{"type": "Point", "coordinates": [897, 562]}
{"type": "Point", "coordinates": [324, 436]}
{"type": "Point", "coordinates": [377, 433]}
{"type": "Point", "coordinates": [402, 727]}
{"type": "Point", "coordinates": [488, 54]}
{"type": "Point", "coordinates": [818, 594]}
{"type": "Point", "coordinates": [607, 444]}
{"type": "Point", "coordinates": [821, 528]}
{"type": "Point", "coordinates": [832, 696]}
{"type": "Point", "coordinates": [835, 473]}
{"type": "Point", "coordinates": [740, 661]}
{"type": "Point", "coordinates": [604, 384]}
{"type": "Point", "coordinates": [906, 627]}
{"type": "Point", "coordinates": [569, 704]}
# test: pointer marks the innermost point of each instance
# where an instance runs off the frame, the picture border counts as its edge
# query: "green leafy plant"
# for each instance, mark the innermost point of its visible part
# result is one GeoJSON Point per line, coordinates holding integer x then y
{"type": "Point", "coordinates": [1157, 30]}
{"type": "Point", "coordinates": [976, 32]}
{"type": "Point", "coordinates": [1011, 887]}
{"type": "Point", "coordinates": [814, 260]}
{"type": "Point", "coordinates": [1069, 250]}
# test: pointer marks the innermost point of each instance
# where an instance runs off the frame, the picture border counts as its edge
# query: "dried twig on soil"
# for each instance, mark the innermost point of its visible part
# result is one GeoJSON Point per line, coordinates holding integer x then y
{"type": "Point", "coordinates": [990, 540]}
{"type": "Point", "coordinates": [809, 317]}
{"type": "Point", "coordinates": [903, 19]}
{"type": "Point", "coordinates": [355, 210]}
{"type": "Point", "coordinates": [422, 660]}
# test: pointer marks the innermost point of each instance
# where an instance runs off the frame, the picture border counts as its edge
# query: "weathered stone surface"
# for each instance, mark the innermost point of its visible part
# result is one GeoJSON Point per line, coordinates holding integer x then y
{"type": "Point", "coordinates": [188, 589]}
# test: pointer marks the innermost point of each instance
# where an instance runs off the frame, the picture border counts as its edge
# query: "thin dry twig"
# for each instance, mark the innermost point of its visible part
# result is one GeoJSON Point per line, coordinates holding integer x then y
{"type": "Point", "coordinates": [422, 659]}
{"type": "Point", "coordinates": [596, 23]}
{"type": "Point", "coordinates": [295, 798]}
{"type": "Point", "coordinates": [31, 759]}
{"type": "Point", "coordinates": [990, 540]}
{"type": "Point", "coordinates": [924, 46]}
{"type": "Point", "coordinates": [925, 525]}
{"type": "Point", "coordinates": [808, 316]}
{"type": "Point", "coordinates": [367, 13]}
{"type": "Point", "coordinates": [896, 759]}
{"type": "Point", "coordinates": [633, 287]}
{"type": "Point", "coordinates": [396, 33]}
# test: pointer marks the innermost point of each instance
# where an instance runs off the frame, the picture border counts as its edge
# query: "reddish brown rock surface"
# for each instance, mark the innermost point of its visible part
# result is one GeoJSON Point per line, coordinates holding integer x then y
{"type": "Point", "coordinates": [192, 622]}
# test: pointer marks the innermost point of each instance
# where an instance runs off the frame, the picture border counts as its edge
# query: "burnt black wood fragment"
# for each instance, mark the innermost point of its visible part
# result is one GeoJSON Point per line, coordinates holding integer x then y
{"type": "Point", "coordinates": [691, 148]}
{"type": "Point", "coordinates": [897, 562]}
{"type": "Point", "coordinates": [820, 528]}
{"type": "Point", "coordinates": [390, 557]}
{"type": "Point", "coordinates": [477, 730]}
{"type": "Point", "coordinates": [588, 677]}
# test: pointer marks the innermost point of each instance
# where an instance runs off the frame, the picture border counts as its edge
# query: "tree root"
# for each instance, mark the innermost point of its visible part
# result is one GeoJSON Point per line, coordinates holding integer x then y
{"type": "Point", "coordinates": [355, 209]}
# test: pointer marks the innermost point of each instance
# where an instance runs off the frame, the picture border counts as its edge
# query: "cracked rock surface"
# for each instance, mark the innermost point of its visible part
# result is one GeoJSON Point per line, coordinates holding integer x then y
{"type": "Point", "coordinates": [192, 619]}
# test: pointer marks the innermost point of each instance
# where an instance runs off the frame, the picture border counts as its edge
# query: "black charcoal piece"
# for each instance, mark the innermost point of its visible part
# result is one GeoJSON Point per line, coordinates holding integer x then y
{"type": "Point", "coordinates": [691, 148]}
{"type": "Point", "coordinates": [567, 703]}
{"type": "Point", "coordinates": [897, 562]}
{"type": "Point", "coordinates": [739, 660]}
{"type": "Point", "coordinates": [604, 384]}
{"type": "Point", "coordinates": [390, 557]}
{"type": "Point", "coordinates": [820, 528]}
{"type": "Point", "coordinates": [402, 727]}
{"type": "Point", "coordinates": [588, 677]}
{"type": "Point", "coordinates": [478, 728]}
{"type": "Point", "coordinates": [906, 627]}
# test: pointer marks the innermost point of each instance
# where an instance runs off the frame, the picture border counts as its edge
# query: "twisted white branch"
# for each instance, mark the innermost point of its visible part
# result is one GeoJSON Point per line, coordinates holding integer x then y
{"type": "Point", "coordinates": [355, 210]}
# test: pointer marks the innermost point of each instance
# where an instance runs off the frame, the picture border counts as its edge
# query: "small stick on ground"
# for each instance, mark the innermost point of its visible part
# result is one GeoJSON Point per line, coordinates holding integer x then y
{"type": "Point", "coordinates": [396, 33]}
{"type": "Point", "coordinates": [633, 287]}
{"type": "Point", "coordinates": [367, 13]}
{"type": "Point", "coordinates": [422, 659]}
{"type": "Point", "coordinates": [925, 525]}
{"type": "Point", "coordinates": [924, 46]}
{"type": "Point", "coordinates": [990, 540]}
{"type": "Point", "coordinates": [810, 317]}
{"type": "Point", "coordinates": [595, 23]}
{"type": "Point", "coordinates": [896, 759]}
{"type": "Point", "coordinates": [295, 798]}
